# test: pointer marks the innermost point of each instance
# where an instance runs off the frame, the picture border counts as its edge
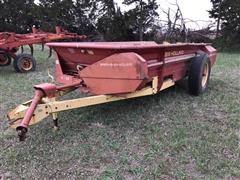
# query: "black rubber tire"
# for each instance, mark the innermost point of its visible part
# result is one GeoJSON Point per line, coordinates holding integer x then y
{"type": "Point", "coordinates": [17, 63]}
{"type": "Point", "coordinates": [6, 57]}
{"type": "Point", "coordinates": [196, 73]}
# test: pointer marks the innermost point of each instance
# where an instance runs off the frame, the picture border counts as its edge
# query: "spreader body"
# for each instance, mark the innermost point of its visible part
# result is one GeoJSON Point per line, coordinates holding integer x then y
{"type": "Point", "coordinates": [112, 71]}
{"type": "Point", "coordinates": [123, 67]}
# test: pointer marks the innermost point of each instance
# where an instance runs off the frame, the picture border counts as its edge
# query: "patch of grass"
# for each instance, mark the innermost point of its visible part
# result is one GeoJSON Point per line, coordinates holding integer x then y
{"type": "Point", "coordinates": [171, 135]}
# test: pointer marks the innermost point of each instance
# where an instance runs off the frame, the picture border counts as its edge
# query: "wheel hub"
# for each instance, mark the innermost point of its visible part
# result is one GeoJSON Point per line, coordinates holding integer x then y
{"type": "Point", "coordinates": [3, 59]}
{"type": "Point", "coordinates": [205, 74]}
{"type": "Point", "coordinates": [26, 64]}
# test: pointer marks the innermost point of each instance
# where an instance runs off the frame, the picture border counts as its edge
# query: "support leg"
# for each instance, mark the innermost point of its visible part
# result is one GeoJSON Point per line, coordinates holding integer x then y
{"type": "Point", "coordinates": [55, 121]}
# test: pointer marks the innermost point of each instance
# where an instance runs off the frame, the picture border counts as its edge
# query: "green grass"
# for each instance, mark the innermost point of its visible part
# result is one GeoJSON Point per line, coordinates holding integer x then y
{"type": "Point", "coordinates": [171, 135]}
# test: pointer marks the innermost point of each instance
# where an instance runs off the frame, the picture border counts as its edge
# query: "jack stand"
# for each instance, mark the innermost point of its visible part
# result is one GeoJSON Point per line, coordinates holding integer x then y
{"type": "Point", "coordinates": [55, 122]}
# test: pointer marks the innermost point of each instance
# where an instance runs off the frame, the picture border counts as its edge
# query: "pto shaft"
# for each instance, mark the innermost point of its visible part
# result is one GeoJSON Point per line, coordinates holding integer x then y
{"type": "Point", "coordinates": [22, 128]}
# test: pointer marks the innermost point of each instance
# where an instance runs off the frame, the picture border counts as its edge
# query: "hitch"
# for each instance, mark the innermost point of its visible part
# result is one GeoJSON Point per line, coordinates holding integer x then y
{"type": "Point", "coordinates": [44, 104]}
{"type": "Point", "coordinates": [21, 131]}
{"type": "Point", "coordinates": [37, 109]}
{"type": "Point", "coordinates": [29, 113]}
{"type": "Point", "coordinates": [23, 127]}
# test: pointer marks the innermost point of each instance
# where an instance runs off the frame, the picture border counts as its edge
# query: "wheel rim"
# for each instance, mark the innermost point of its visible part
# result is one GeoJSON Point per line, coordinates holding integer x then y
{"type": "Point", "coordinates": [26, 64]}
{"type": "Point", "coordinates": [3, 59]}
{"type": "Point", "coordinates": [205, 74]}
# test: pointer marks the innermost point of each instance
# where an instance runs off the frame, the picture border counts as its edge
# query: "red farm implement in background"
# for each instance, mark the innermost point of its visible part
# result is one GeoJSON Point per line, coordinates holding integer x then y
{"type": "Point", "coordinates": [111, 72]}
{"type": "Point", "coordinates": [11, 42]}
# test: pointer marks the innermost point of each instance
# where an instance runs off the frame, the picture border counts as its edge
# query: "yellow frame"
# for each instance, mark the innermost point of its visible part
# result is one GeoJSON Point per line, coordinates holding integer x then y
{"type": "Point", "coordinates": [52, 106]}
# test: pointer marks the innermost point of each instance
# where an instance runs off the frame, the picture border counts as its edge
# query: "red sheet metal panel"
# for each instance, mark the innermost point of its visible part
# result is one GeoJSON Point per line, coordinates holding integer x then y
{"type": "Point", "coordinates": [116, 74]}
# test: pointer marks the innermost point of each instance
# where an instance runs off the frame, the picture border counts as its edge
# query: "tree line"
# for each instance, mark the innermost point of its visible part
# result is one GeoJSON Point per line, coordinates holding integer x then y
{"type": "Point", "coordinates": [104, 20]}
{"type": "Point", "coordinates": [95, 18]}
{"type": "Point", "coordinates": [227, 15]}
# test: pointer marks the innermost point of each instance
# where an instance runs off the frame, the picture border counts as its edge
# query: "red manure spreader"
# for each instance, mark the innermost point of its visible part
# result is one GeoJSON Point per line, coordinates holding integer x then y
{"type": "Point", "coordinates": [112, 71]}
{"type": "Point", "coordinates": [11, 42]}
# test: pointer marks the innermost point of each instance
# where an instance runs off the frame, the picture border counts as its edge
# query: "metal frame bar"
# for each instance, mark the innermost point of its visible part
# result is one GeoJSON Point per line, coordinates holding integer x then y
{"type": "Point", "coordinates": [50, 106]}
